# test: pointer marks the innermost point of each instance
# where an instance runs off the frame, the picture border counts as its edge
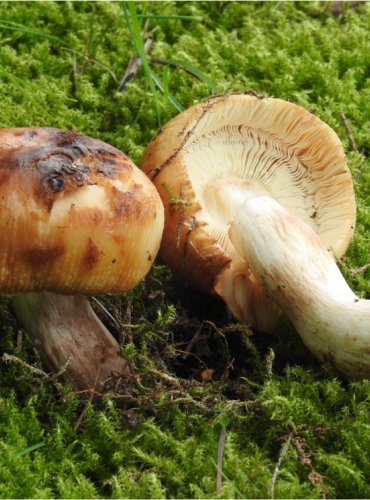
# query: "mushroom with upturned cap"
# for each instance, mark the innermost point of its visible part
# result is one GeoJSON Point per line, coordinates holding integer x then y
{"type": "Point", "coordinates": [209, 159]}
{"type": "Point", "coordinates": [78, 218]}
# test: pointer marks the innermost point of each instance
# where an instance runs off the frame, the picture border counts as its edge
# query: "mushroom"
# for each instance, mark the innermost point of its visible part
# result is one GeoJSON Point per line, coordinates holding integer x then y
{"type": "Point", "coordinates": [78, 218]}
{"type": "Point", "coordinates": [297, 270]}
{"type": "Point", "coordinates": [207, 160]}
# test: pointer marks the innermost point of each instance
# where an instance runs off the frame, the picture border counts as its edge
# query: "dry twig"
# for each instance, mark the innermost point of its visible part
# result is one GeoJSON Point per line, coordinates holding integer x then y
{"type": "Point", "coordinates": [62, 370]}
{"type": "Point", "coordinates": [304, 456]}
{"type": "Point", "coordinates": [349, 132]}
{"type": "Point", "coordinates": [352, 143]}
{"type": "Point", "coordinates": [91, 397]}
{"type": "Point", "coordinates": [165, 377]}
{"type": "Point", "coordinates": [193, 340]}
{"type": "Point", "coordinates": [10, 358]}
{"type": "Point", "coordinates": [133, 66]}
{"type": "Point", "coordinates": [269, 360]}
{"type": "Point", "coordinates": [359, 270]}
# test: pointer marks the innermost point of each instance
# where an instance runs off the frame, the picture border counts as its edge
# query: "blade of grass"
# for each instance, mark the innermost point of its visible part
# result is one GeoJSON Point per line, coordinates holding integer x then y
{"type": "Point", "coordinates": [129, 10]}
{"type": "Point", "coordinates": [171, 98]}
{"type": "Point", "coordinates": [65, 45]}
{"type": "Point", "coordinates": [237, 491]}
{"type": "Point", "coordinates": [165, 78]}
{"type": "Point", "coordinates": [11, 78]}
{"type": "Point", "coordinates": [196, 72]}
{"type": "Point", "coordinates": [29, 449]}
{"type": "Point", "coordinates": [170, 16]}
{"type": "Point", "coordinates": [90, 60]}
{"type": "Point", "coordinates": [220, 457]}
{"type": "Point", "coordinates": [192, 70]}
{"type": "Point", "coordinates": [30, 31]}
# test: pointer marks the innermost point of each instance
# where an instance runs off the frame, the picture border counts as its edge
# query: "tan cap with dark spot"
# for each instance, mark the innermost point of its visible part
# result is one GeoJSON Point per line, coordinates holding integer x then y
{"type": "Point", "coordinates": [77, 216]}
{"type": "Point", "coordinates": [210, 158]}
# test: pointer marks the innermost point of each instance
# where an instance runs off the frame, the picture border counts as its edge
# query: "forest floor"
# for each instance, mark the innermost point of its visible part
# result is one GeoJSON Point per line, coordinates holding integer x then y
{"type": "Point", "coordinates": [212, 409]}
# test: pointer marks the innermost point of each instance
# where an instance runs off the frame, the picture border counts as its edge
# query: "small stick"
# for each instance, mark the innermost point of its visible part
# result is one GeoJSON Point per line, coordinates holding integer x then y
{"type": "Point", "coordinates": [62, 370]}
{"type": "Point", "coordinates": [349, 132]}
{"type": "Point", "coordinates": [133, 66]}
{"type": "Point", "coordinates": [352, 143]}
{"type": "Point", "coordinates": [90, 60]}
{"type": "Point", "coordinates": [269, 360]}
{"type": "Point", "coordinates": [304, 456]}
{"type": "Point", "coordinates": [220, 457]}
{"type": "Point", "coordinates": [193, 340]}
{"type": "Point", "coordinates": [91, 397]}
{"type": "Point", "coordinates": [19, 340]}
{"type": "Point", "coordinates": [10, 358]}
{"type": "Point", "coordinates": [359, 270]}
{"type": "Point", "coordinates": [165, 377]}
{"type": "Point", "coordinates": [74, 74]}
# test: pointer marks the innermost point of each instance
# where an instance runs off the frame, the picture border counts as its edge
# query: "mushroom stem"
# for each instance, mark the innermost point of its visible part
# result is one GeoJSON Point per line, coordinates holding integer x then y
{"type": "Point", "coordinates": [88, 359]}
{"type": "Point", "coordinates": [296, 270]}
{"type": "Point", "coordinates": [236, 284]}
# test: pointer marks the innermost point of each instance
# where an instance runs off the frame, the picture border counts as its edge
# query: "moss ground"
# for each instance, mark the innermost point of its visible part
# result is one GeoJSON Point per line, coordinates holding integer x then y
{"type": "Point", "coordinates": [292, 429]}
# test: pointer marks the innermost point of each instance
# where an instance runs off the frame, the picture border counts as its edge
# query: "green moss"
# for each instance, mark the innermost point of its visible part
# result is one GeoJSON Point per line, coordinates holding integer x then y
{"type": "Point", "coordinates": [163, 442]}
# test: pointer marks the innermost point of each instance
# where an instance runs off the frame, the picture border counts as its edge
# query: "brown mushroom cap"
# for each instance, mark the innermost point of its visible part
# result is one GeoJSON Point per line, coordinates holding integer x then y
{"type": "Point", "coordinates": [77, 216]}
{"type": "Point", "coordinates": [249, 143]}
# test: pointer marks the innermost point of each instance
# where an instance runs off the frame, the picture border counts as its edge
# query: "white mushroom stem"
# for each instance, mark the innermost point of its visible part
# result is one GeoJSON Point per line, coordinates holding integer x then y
{"type": "Point", "coordinates": [70, 337]}
{"type": "Point", "coordinates": [236, 285]}
{"type": "Point", "coordinates": [298, 272]}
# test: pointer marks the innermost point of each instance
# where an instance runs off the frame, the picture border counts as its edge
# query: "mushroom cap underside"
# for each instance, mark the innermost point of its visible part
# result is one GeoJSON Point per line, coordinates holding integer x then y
{"type": "Point", "coordinates": [266, 144]}
{"type": "Point", "coordinates": [77, 215]}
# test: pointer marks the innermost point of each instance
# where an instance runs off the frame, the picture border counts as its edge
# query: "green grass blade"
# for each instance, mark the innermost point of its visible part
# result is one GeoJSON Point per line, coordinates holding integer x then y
{"type": "Point", "coordinates": [165, 79]}
{"type": "Point", "coordinates": [199, 74]}
{"type": "Point", "coordinates": [173, 16]}
{"type": "Point", "coordinates": [129, 10]}
{"type": "Point", "coordinates": [27, 450]}
{"type": "Point", "coordinates": [238, 492]}
{"type": "Point", "coordinates": [8, 25]}
{"type": "Point", "coordinates": [30, 31]}
{"type": "Point", "coordinates": [7, 75]}
{"type": "Point", "coordinates": [171, 98]}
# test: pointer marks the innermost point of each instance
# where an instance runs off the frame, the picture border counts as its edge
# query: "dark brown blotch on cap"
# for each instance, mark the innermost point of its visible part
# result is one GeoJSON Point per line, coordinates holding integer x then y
{"type": "Point", "coordinates": [43, 254]}
{"type": "Point", "coordinates": [47, 163]}
{"type": "Point", "coordinates": [127, 204]}
{"type": "Point", "coordinates": [91, 256]}
{"type": "Point", "coordinates": [109, 165]}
